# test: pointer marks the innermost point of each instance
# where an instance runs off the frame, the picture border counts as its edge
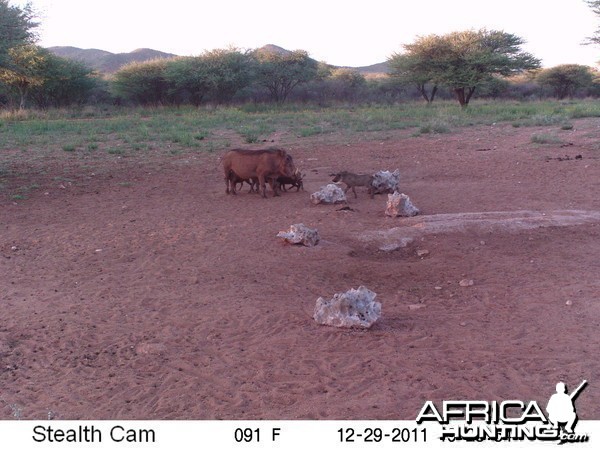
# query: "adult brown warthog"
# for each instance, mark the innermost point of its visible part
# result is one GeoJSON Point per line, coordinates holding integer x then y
{"type": "Point", "coordinates": [261, 164]}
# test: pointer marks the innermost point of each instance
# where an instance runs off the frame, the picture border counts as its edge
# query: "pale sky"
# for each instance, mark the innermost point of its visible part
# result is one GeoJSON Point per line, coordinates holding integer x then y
{"type": "Point", "coordinates": [343, 33]}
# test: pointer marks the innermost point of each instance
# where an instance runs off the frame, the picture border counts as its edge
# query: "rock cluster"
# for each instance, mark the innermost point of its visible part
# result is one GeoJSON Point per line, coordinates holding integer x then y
{"type": "Point", "coordinates": [300, 234]}
{"type": "Point", "coordinates": [400, 205]}
{"type": "Point", "coordinates": [385, 181]}
{"type": "Point", "coordinates": [354, 308]}
{"type": "Point", "coordinates": [329, 194]}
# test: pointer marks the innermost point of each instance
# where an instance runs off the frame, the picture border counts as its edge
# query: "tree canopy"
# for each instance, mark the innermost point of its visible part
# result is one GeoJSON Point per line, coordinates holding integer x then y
{"type": "Point", "coordinates": [565, 79]}
{"type": "Point", "coordinates": [462, 61]}
{"type": "Point", "coordinates": [217, 75]}
{"type": "Point", "coordinates": [17, 27]}
{"type": "Point", "coordinates": [595, 5]}
{"type": "Point", "coordinates": [143, 82]}
{"type": "Point", "coordinates": [280, 73]}
{"type": "Point", "coordinates": [24, 69]}
{"type": "Point", "coordinates": [229, 71]}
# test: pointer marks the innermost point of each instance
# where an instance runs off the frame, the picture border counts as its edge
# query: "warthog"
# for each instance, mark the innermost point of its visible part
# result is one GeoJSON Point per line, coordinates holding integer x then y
{"type": "Point", "coordinates": [235, 180]}
{"type": "Point", "coordinates": [262, 165]}
{"type": "Point", "coordinates": [295, 181]}
{"type": "Point", "coordinates": [351, 180]}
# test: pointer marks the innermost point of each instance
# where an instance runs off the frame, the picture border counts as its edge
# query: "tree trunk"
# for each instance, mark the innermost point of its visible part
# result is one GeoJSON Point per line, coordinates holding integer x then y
{"type": "Point", "coordinates": [460, 95]}
{"type": "Point", "coordinates": [23, 96]}
{"type": "Point", "coordinates": [464, 95]}
{"type": "Point", "coordinates": [470, 92]}
{"type": "Point", "coordinates": [423, 92]}
{"type": "Point", "coordinates": [426, 96]}
{"type": "Point", "coordinates": [433, 91]}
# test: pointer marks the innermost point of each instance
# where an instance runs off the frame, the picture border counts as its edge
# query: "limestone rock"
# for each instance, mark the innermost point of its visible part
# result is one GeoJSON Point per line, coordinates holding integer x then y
{"type": "Point", "coordinates": [385, 181]}
{"type": "Point", "coordinates": [328, 194]}
{"type": "Point", "coordinates": [400, 205]}
{"type": "Point", "coordinates": [300, 234]}
{"type": "Point", "coordinates": [416, 306]}
{"type": "Point", "coordinates": [354, 308]}
{"type": "Point", "coordinates": [393, 246]}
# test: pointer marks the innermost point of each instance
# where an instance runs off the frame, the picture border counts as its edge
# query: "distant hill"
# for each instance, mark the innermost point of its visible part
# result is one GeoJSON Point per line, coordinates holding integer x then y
{"type": "Point", "coordinates": [270, 48]}
{"type": "Point", "coordinates": [107, 62]}
{"type": "Point", "coordinates": [374, 69]}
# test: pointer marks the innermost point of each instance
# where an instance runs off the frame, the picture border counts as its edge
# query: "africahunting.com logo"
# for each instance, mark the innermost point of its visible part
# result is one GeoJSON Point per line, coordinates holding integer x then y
{"type": "Point", "coordinates": [511, 420]}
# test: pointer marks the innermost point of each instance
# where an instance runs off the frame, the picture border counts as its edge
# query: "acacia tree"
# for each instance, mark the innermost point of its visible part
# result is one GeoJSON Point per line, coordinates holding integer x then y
{"type": "Point", "coordinates": [347, 84]}
{"type": "Point", "coordinates": [25, 68]}
{"type": "Point", "coordinates": [189, 80]}
{"type": "Point", "coordinates": [143, 82]}
{"type": "Point", "coordinates": [595, 5]}
{"type": "Point", "coordinates": [217, 75]}
{"type": "Point", "coordinates": [565, 79]}
{"type": "Point", "coordinates": [462, 61]}
{"type": "Point", "coordinates": [228, 71]}
{"type": "Point", "coordinates": [281, 72]}
{"type": "Point", "coordinates": [16, 28]}
{"type": "Point", "coordinates": [421, 64]}
{"type": "Point", "coordinates": [64, 82]}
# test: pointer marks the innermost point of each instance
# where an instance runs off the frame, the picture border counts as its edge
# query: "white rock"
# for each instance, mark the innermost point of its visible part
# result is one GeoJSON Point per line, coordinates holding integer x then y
{"type": "Point", "coordinates": [328, 194]}
{"type": "Point", "coordinates": [402, 243]}
{"type": "Point", "coordinates": [400, 205]}
{"type": "Point", "coordinates": [300, 234]}
{"type": "Point", "coordinates": [385, 181]}
{"type": "Point", "coordinates": [354, 308]}
{"type": "Point", "coordinates": [466, 283]}
{"type": "Point", "coordinates": [416, 306]}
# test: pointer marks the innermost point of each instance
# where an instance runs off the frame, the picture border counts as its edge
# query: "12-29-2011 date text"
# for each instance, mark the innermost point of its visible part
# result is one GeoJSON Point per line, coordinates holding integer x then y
{"type": "Point", "coordinates": [379, 435]}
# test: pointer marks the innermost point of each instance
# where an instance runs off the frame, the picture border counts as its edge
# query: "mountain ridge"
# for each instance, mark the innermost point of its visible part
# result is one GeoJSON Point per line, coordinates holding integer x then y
{"type": "Point", "coordinates": [107, 62]}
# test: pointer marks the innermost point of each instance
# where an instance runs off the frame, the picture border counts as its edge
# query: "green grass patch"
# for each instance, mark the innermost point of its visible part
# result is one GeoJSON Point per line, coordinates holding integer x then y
{"type": "Point", "coordinates": [310, 131]}
{"type": "Point", "coordinates": [435, 126]}
{"type": "Point", "coordinates": [173, 131]}
{"type": "Point", "coordinates": [545, 138]}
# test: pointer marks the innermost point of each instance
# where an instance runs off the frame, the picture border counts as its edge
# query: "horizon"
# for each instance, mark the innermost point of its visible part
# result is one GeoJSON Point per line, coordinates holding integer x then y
{"type": "Point", "coordinates": [333, 32]}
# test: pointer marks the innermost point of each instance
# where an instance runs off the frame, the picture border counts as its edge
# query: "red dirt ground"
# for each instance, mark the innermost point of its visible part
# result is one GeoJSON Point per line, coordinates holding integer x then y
{"type": "Point", "coordinates": [145, 292]}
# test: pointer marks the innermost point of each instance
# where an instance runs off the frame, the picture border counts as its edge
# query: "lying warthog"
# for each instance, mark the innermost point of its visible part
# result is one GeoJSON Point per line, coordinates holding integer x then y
{"type": "Point", "coordinates": [295, 181]}
{"type": "Point", "coordinates": [351, 180]}
{"type": "Point", "coordinates": [260, 164]}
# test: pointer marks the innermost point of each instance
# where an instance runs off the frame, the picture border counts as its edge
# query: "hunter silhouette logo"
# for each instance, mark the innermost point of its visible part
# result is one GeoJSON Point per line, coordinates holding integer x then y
{"type": "Point", "coordinates": [561, 407]}
{"type": "Point", "coordinates": [509, 420]}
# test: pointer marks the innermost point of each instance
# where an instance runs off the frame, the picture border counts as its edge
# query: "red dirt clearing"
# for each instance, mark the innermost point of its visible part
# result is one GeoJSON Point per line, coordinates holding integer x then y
{"type": "Point", "coordinates": [150, 294]}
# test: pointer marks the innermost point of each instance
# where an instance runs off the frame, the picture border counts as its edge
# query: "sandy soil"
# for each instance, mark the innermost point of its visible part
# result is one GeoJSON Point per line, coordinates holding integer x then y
{"type": "Point", "coordinates": [145, 292]}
